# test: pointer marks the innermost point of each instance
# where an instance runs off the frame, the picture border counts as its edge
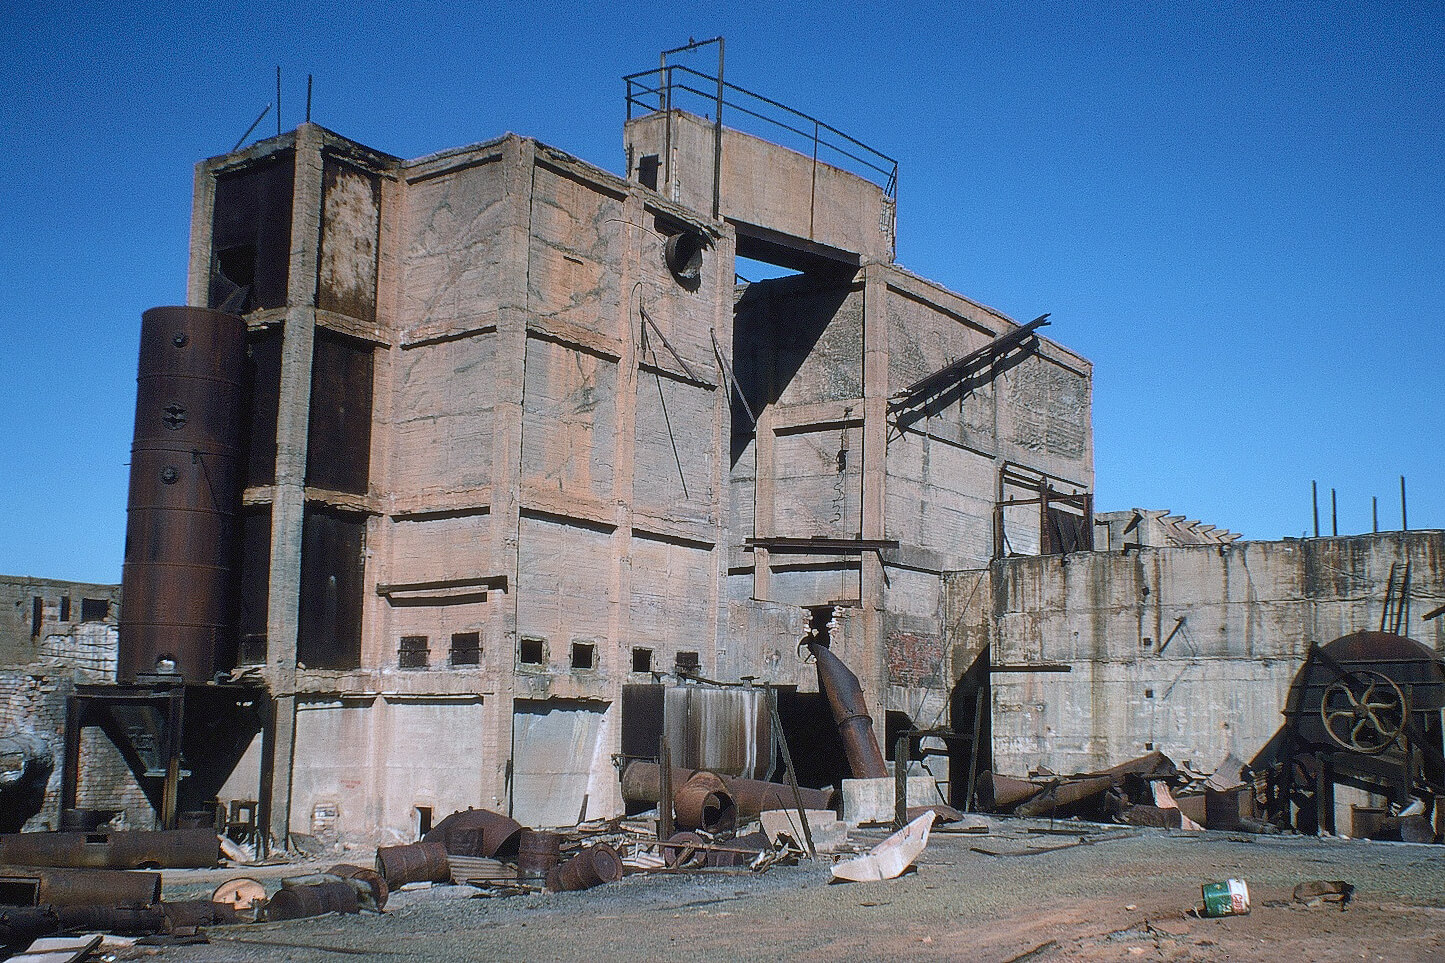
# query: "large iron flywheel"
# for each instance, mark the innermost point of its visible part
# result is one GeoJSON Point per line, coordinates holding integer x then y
{"type": "Point", "coordinates": [1364, 711]}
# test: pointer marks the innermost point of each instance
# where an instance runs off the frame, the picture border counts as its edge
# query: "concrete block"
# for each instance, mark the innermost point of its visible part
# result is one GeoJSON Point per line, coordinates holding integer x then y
{"type": "Point", "coordinates": [871, 800]}
{"type": "Point", "coordinates": [828, 831]}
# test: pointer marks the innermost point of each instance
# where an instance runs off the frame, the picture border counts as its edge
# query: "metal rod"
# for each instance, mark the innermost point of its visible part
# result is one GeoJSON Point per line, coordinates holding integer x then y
{"type": "Point", "coordinates": [717, 137]}
{"type": "Point", "coordinates": [1315, 501]}
{"type": "Point", "coordinates": [308, 98]}
{"type": "Point", "coordinates": [1375, 513]}
{"type": "Point", "coordinates": [259, 117]}
{"type": "Point", "coordinates": [1389, 596]}
{"type": "Point", "coordinates": [1404, 518]}
{"type": "Point", "coordinates": [278, 100]}
{"type": "Point", "coordinates": [792, 773]}
{"type": "Point", "coordinates": [664, 792]}
{"type": "Point", "coordinates": [979, 694]}
{"type": "Point", "coordinates": [1334, 514]}
{"type": "Point", "coordinates": [900, 781]}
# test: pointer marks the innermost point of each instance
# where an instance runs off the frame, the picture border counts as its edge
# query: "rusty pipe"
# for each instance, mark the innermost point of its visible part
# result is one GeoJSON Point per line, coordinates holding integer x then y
{"type": "Point", "coordinates": [51, 886]}
{"type": "Point", "coordinates": [163, 849]}
{"type": "Point", "coordinates": [703, 802]}
{"type": "Point", "coordinates": [850, 712]}
{"type": "Point", "coordinates": [642, 782]}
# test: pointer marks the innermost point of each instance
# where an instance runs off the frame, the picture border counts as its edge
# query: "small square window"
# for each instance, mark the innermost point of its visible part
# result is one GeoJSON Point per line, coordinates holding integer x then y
{"type": "Point", "coordinates": [531, 652]}
{"type": "Point", "coordinates": [686, 663]}
{"type": "Point", "coordinates": [641, 659]}
{"type": "Point", "coordinates": [1149, 746]}
{"type": "Point", "coordinates": [584, 655]}
{"type": "Point", "coordinates": [466, 648]}
{"type": "Point", "coordinates": [94, 610]}
{"type": "Point", "coordinates": [413, 652]}
{"type": "Point", "coordinates": [1148, 693]}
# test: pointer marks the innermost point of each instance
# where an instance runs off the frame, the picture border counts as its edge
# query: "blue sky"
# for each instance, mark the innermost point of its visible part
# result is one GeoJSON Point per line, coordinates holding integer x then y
{"type": "Point", "coordinates": [1236, 211]}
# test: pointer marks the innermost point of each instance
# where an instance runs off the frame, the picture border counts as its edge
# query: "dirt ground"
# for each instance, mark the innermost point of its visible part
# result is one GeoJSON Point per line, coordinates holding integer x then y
{"type": "Point", "coordinates": [1123, 894]}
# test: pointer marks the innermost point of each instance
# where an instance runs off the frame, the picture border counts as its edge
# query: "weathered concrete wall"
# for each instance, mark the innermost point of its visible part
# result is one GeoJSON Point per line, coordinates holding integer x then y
{"type": "Point", "coordinates": [767, 185]}
{"type": "Point", "coordinates": [1189, 650]}
{"type": "Point", "coordinates": [39, 617]}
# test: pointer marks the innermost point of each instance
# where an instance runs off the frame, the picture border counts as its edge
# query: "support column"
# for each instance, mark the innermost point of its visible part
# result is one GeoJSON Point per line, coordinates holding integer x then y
{"type": "Point", "coordinates": [288, 507]}
{"type": "Point", "coordinates": [871, 577]}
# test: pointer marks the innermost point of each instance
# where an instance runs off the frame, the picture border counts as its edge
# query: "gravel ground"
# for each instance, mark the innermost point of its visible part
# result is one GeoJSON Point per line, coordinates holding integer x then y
{"type": "Point", "coordinates": [1125, 895]}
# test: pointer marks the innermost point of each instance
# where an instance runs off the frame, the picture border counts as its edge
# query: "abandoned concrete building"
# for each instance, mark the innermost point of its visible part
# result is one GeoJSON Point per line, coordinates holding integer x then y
{"type": "Point", "coordinates": [520, 463]}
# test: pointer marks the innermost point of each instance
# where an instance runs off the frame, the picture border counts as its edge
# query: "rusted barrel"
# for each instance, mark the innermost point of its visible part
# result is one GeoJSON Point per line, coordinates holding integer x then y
{"type": "Point", "coordinates": [300, 902]}
{"type": "Point", "coordinates": [20, 925]}
{"type": "Point", "coordinates": [477, 832]}
{"type": "Point", "coordinates": [48, 886]}
{"type": "Point", "coordinates": [591, 867]}
{"type": "Point", "coordinates": [538, 853]}
{"type": "Point", "coordinates": [423, 862]}
{"type": "Point", "coordinates": [185, 491]}
{"type": "Point", "coordinates": [379, 890]}
{"type": "Point", "coordinates": [184, 916]}
{"type": "Point", "coordinates": [683, 851]}
{"type": "Point", "coordinates": [703, 802]}
{"type": "Point", "coordinates": [166, 849]}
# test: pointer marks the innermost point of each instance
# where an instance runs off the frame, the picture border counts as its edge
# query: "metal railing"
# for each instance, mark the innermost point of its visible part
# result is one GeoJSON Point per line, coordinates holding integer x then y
{"type": "Point", "coordinates": [674, 86]}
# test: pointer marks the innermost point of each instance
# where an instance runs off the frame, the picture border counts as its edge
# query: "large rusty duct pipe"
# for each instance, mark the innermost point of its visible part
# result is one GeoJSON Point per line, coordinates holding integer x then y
{"type": "Point", "coordinates": [185, 492]}
{"type": "Point", "coordinates": [48, 886]}
{"type": "Point", "coordinates": [142, 849]}
{"type": "Point", "coordinates": [642, 782]}
{"type": "Point", "coordinates": [850, 711]}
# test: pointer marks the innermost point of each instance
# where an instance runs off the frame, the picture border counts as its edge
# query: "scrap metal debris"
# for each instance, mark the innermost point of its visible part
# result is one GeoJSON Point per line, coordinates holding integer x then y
{"type": "Point", "coordinates": [890, 858]}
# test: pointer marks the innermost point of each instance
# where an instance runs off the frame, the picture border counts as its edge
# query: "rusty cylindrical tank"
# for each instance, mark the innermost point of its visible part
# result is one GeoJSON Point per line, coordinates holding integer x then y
{"type": "Point", "coordinates": [299, 902]}
{"type": "Point", "coordinates": [185, 491]}
{"type": "Point", "coordinates": [591, 867]}
{"type": "Point", "coordinates": [379, 890]}
{"type": "Point", "coordinates": [537, 853]}
{"type": "Point", "coordinates": [424, 862]}
{"type": "Point", "coordinates": [850, 712]}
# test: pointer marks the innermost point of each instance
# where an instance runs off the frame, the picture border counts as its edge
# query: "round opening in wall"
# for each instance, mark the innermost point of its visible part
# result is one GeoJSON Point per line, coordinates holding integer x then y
{"type": "Point", "coordinates": [684, 256]}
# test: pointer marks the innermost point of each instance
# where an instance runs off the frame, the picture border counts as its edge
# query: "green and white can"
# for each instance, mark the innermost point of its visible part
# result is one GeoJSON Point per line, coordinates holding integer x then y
{"type": "Point", "coordinates": [1229, 898]}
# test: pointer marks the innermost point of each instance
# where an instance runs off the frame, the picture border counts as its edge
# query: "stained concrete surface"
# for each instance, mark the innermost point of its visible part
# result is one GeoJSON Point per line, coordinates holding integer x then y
{"type": "Point", "coordinates": [1125, 896]}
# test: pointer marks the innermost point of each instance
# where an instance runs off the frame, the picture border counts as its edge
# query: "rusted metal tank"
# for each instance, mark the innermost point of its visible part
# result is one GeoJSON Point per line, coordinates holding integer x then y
{"type": "Point", "coordinates": [850, 712]}
{"type": "Point", "coordinates": [185, 491]}
{"type": "Point", "coordinates": [124, 920]}
{"type": "Point", "coordinates": [703, 802]}
{"type": "Point", "coordinates": [591, 867]}
{"type": "Point", "coordinates": [641, 782]}
{"type": "Point", "coordinates": [163, 849]}
{"type": "Point", "coordinates": [315, 899]}
{"type": "Point", "coordinates": [538, 853]}
{"type": "Point", "coordinates": [477, 832]}
{"type": "Point", "coordinates": [49, 886]}
{"type": "Point", "coordinates": [423, 862]}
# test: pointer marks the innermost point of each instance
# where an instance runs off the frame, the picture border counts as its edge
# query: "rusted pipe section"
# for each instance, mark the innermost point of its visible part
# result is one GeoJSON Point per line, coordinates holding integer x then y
{"type": "Point", "coordinates": [165, 849]}
{"type": "Point", "coordinates": [48, 886]}
{"type": "Point", "coordinates": [641, 782]}
{"type": "Point", "coordinates": [703, 802]}
{"type": "Point", "coordinates": [423, 862]}
{"type": "Point", "coordinates": [591, 867]}
{"type": "Point", "coordinates": [850, 712]}
{"type": "Point", "coordinates": [477, 832]}
{"type": "Point", "coordinates": [315, 899]}
{"type": "Point", "coordinates": [124, 920]}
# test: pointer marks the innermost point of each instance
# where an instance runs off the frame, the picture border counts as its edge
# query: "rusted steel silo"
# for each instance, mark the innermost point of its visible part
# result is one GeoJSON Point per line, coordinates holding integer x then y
{"type": "Point", "coordinates": [185, 491]}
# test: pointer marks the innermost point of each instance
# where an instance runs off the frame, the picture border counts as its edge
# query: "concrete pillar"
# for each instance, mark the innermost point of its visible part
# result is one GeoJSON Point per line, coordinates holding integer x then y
{"type": "Point", "coordinates": [289, 499]}
{"type": "Point", "coordinates": [872, 670]}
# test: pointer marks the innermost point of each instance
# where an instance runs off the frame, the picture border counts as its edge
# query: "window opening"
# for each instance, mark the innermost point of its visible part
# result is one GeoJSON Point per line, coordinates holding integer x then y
{"type": "Point", "coordinates": [531, 652]}
{"type": "Point", "coordinates": [413, 652]}
{"type": "Point", "coordinates": [584, 655]}
{"type": "Point", "coordinates": [466, 648]}
{"type": "Point", "coordinates": [641, 659]}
